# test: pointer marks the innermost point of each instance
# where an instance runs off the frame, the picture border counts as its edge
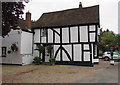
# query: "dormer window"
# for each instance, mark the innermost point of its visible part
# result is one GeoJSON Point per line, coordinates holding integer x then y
{"type": "Point", "coordinates": [43, 32]}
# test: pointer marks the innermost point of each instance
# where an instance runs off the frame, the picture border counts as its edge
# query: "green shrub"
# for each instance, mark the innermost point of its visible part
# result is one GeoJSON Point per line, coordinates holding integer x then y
{"type": "Point", "coordinates": [49, 48]}
{"type": "Point", "coordinates": [37, 60]}
{"type": "Point", "coordinates": [14, 47]}
{"type": "Point", "coordinates": [40, 48]}
{"type": "Point", "coordinates": [52, 61]}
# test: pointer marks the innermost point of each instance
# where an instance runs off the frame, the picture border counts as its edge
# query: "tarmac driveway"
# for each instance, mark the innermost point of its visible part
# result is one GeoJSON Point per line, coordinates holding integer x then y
{"type": "Point", "coordinates": [101, 73]}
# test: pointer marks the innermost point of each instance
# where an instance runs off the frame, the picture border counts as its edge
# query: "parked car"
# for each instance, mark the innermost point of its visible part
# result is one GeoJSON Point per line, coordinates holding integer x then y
{"type": "Point", "coordinates": [107, 55]}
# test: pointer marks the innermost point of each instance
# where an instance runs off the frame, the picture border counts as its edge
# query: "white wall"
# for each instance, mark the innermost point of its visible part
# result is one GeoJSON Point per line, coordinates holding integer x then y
{"type": "Point", "coordinates": [77, 53]}
{"type": "Point", "coordinates": [92, 28]}
{"type": "Point", "coordinates": [26, 48]}
{"type": "Point", "coordinates": [65, 35]}
{"type": "Point", "coordinates": [83, 34]}
{"type": "Point", "coordinates": [92, 39]}
{"type": "Point", "coordinates": [92, 35]}
{"type": "Point", "coordinates": [27, 59]}
{"type": "Point", "coordinates": [43, 39]}
{"type": "Point", "coordinates": [86, 47]}
{"type": "Point", "coordinates": [74, 38]}
{"type": "Point", "coordinates": [14, 57]}
{"type": "Point", "coordinates": [36, 53]}
{"type": "Point", "coordinates": [37, 36]}
{"type": "Point", "coordinates": [68, 48]}
{"type": "Point", "coordinates": [74, 34]}
{"type": "Point", "coordinates": [50, 36]}
{"type": "Point", "coordinates": [58, 55]}
{"type": "Point", "coordinates": [86, 56]}
{"type": "Point", "coordinates": [57, 37]}
{"type": "Point", "coordinates": [26, 43]}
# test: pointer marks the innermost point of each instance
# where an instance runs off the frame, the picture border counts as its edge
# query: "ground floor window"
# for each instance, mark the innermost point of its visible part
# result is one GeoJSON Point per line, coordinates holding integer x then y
{"type": "Point", "coordinates": [4, 49]}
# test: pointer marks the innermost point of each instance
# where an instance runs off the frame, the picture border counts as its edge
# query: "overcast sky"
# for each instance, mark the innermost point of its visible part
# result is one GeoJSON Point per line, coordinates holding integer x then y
{"type": "Point", "coordinates": [108, 9]}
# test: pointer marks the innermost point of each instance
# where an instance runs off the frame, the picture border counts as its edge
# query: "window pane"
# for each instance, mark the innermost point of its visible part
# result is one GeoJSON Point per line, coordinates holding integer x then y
{"type": "Point", "coordinates": [3, 51]}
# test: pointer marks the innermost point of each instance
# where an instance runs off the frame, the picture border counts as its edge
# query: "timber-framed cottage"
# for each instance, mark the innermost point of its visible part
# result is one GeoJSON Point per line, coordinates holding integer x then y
{"type": "Point", "coordinates": [72, 33]}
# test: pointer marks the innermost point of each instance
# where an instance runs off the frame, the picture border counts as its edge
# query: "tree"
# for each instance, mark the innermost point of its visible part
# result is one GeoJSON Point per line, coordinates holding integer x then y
{"type": "Point", "coordinates": [118, 42]}
{"type": "Point", "coordinates": [118, 39]}
{"type": "Point", "coordinates": [107, 39]}
{"type": "Point", "coordinates": [11, 12]}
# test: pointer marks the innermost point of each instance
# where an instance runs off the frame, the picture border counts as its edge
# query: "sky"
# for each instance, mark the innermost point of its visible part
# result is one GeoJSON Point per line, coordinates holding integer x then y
{"type": "Point", "coordinates": [119, 18]}
{"type": "Point", "coordinates": [108, 10]}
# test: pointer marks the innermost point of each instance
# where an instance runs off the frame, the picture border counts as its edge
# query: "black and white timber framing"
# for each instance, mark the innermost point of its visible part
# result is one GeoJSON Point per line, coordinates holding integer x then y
{"type": "Point", "coordinates": [74, 44]}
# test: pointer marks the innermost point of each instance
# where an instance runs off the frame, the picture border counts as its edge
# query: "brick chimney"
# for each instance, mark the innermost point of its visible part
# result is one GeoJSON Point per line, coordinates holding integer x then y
{"type": "Point", "coordinates": [28, 20]}
{"type": "Point", "coordinates": [80, 5]}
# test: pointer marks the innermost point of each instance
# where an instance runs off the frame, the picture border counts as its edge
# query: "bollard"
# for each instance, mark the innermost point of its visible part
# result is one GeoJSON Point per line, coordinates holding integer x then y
{"type": "Point", "coordinates": [112, 62]}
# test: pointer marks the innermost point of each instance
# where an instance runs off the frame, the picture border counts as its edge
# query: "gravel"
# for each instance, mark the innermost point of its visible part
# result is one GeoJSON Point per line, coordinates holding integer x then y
{"type": "Point", "coordinates": [50, 74]}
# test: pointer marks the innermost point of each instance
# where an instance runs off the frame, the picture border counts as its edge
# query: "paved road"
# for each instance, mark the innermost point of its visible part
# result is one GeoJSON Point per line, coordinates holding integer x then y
{"type": "Point", "coordinates": [107, 75]}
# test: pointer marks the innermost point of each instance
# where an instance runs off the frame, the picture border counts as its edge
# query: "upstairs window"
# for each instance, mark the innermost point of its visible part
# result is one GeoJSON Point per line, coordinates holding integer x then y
{"type": "Point", "coordinates": [4, 49]}
{"type": "Point", "coordinates": [43, 32]}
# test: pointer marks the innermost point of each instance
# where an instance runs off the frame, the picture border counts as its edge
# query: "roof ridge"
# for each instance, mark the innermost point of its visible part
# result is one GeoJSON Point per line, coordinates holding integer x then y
{"type": "Point", "coordinates": [70, 9]}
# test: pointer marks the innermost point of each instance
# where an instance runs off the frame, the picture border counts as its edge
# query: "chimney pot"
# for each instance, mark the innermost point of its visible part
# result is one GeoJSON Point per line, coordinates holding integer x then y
{"type": "Point", "coordinates": [80, 5]}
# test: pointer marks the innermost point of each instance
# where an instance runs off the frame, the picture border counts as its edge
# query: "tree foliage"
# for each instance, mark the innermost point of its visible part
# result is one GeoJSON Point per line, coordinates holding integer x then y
{"type": "Point", "coordinates": [11, 12]}
{"type": "Point", "coordinates": [107, 39]}
{"type": "Point", "coordinates": [118, 42]}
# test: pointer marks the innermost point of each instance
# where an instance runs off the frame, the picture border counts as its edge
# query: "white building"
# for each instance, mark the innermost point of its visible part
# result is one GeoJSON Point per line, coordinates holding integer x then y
{"type": "Point", "coordinates": [17, 46]}
{"type": "Point", "coordinates": [73, 33]}
{"type": "Point", "coordinates": [24, 42]}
